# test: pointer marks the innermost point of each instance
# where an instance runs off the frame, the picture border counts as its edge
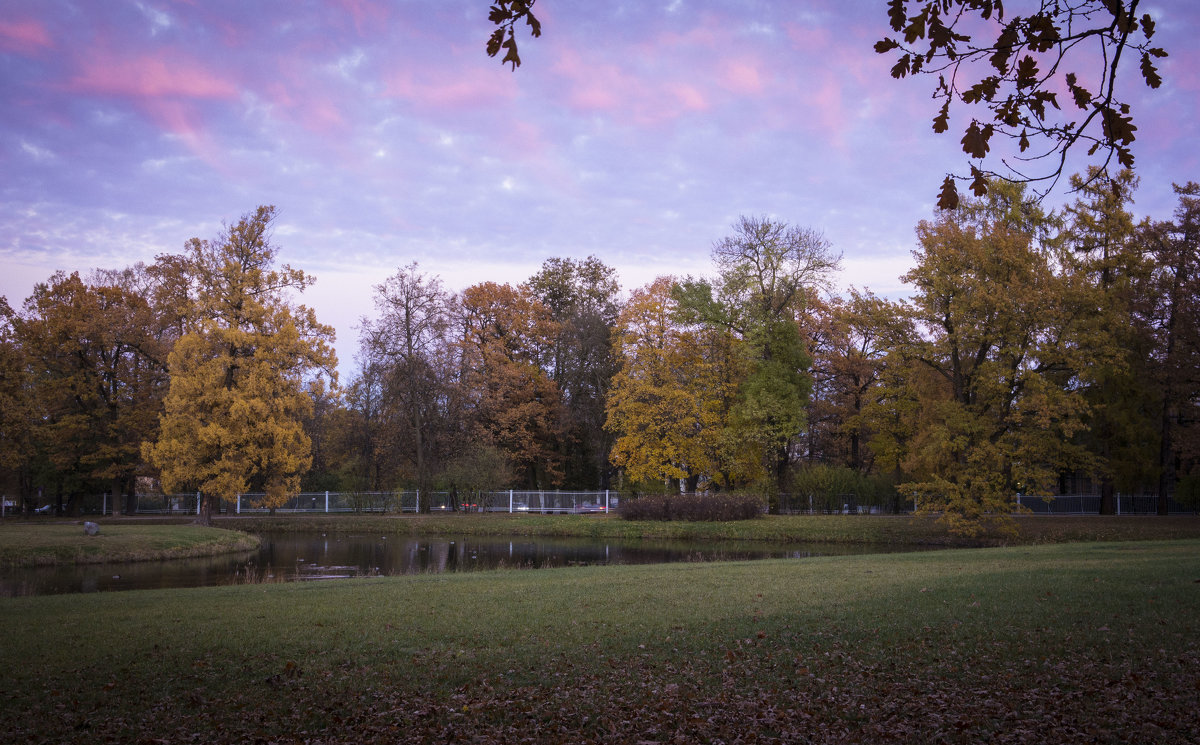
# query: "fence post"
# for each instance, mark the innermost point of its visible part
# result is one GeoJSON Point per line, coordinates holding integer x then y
{"type": "Point", "coordinates": [239, 504]}
{"type": "Point", "coordinates": [418, 501]}
{"type": "Point", "coordinates": [197, 502]}
{"type": "Point", "coordinates": [606, 500]}
{"type": "Point", "coordinates": [510, 501]}
{"type": "Point", "coordinates": [327, 500]}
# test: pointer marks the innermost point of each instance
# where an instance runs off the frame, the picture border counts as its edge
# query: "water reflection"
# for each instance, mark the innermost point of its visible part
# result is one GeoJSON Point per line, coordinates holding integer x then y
{"type": "Point", "coordinates": [288, 557]}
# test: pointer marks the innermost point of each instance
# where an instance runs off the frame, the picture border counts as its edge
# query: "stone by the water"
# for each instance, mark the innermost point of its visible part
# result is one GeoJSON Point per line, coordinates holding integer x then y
{"type": "Point", "coordinates": [91, 528]}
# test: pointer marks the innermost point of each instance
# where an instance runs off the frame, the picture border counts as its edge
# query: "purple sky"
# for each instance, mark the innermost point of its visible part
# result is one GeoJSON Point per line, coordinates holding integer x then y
{"type": "Point", "coordinates": [635, 131]}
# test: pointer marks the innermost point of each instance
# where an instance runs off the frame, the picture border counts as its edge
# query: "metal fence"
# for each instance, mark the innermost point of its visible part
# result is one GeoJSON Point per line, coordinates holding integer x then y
{"type": "Point", "coordinates": [545, 502]}
{"type": "Point", "coordinates": [1089, 504]}
{"type": "Point", "coordinates": [572, 502]}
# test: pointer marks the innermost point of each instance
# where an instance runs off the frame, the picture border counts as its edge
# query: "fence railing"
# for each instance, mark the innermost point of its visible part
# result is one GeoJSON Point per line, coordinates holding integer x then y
{"type": "Point", "coordinates": [574, 502]}
{"type": "Point", "coordinates": [1066, 504]}
{"type": "Point", "coordinates": [1089, 504]}
{"type": "Point", "coordinates": [547, 502]}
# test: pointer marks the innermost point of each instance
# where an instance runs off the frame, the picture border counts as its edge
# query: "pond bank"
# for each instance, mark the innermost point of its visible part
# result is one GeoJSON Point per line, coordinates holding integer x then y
{"type": "Point", "coordinates": [34, 544]}
{"type": "Point", "coordinates": [846, 529]}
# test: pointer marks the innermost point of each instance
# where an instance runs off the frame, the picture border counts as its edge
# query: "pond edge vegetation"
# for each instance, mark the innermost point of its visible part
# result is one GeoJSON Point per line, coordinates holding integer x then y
{"type": "Point", "coordinates": [64, 543]}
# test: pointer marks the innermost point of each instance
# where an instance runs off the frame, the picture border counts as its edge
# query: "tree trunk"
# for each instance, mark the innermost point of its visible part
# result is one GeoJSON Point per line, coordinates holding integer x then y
{"type": "Point", "coordinates": [131, 501]}
{"type": "Point", "coordinates": [205, 516]}
{"type": "Point", "coordinates": [1108, 502]}
{"type": "Point", "coordinates": [1166, 472]}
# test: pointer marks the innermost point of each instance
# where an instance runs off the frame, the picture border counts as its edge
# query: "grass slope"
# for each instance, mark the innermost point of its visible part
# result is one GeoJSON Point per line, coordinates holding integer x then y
{"type": "Point", "coordinates": [1064, 643]}
{"type": "Point", "coordinates": [873, 529]}
{"type": "Point", "coordinates": [44, 544]}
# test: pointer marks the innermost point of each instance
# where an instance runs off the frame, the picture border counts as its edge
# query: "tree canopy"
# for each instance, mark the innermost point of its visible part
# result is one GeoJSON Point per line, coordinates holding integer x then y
{"type": "Point", "coordinates": [232, 418]}
{"type": "Point", "coordinates": [1008, 71]}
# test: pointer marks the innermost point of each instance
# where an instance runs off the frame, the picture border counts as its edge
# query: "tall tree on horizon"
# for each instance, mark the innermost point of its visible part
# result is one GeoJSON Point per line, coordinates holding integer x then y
{"type": "Point", "coordinates": [1000, 412]}
{"type": "Point", "coordinates": [669, 403]}
{"type": "Point", "coordinates": [408, 343]}
{"type": "Point", "coordinates": [97, 374]}
{"type": "Point", "coordinates": [582, 299]}
{"type": "Point", "coordinates": [511, 401]}
{"type": "Point", "coordinates": [766, 271]}
{"type": "Point", "coordinates": [1105, 257]}
{"type": "Point", "coordinates": [233, 416]}
{"type": "Point", "coordinates": [1174, 319]}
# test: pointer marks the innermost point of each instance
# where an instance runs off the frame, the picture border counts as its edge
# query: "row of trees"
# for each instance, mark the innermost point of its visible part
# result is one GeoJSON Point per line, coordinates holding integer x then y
{"type": "Point", "coordinates": [493, 385]}
{"type": "Point", "coordinates": [1036, 348]}
{"type": "Point", "coordinates": [198, 369]}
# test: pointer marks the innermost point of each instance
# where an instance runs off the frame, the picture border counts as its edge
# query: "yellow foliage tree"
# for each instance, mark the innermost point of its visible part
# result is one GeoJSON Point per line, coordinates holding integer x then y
{"type": "Point", "coordinates": [1008, 347]}
{"type": "Point", "coordinates": [670, 400]}
{"type": "Point", "coordinates": [240, 374]}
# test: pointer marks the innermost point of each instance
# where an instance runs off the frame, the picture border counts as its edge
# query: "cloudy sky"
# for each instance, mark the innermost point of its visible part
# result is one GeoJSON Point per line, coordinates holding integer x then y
{"type": "Point", "coordinates": [634, 131]}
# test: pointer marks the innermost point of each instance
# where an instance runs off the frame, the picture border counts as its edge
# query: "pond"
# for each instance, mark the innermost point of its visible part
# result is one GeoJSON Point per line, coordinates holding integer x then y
{"type": "Point", "coordinates": [288, 557]}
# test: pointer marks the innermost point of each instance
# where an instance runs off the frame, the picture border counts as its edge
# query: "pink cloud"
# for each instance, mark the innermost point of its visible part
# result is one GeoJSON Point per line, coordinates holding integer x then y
{"type": "Point", "coordinates": [647, 99]}
{"type": "Point", "coordinates": [322, 116]}
{"type": "Point", "coordinates": [689, 96]}
{"type": "Point", "coordinates": [24, 37]}
{"type": "Point", "coordinates": [811, 39]}
{"type": "Point", "coordinates": [167, 89]}
{"type": "Point", "coordinates": [149, 76]}
{"type": "Point", "coordinates": [368, 16]}
{"type": "Point", "coordinates": [180, 120]}
{"type": "Point", "coordinates": [462, 89]}
{"type": "Point", "coordinates": [591, 86]}
{"type": "Point", "coordinates": [296, 95]}
{"type": "Point", "coordinates": [742, 76]}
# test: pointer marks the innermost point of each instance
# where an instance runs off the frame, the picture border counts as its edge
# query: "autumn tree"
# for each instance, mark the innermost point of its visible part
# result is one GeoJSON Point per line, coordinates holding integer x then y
{"type": "Point", "coordinates": [1005, 336]}
{"type": "Point", "coordinates": [360, 437]}
{"type": "Point", "coordinates": [848, 343]}
{"type": "Point", "coordinates": [766, 271]}
{"type": "Point", "coordinates": [98, 375]}
{"type": "Point", "coordinates": [410, 344]}
{"type": "Point", "coordinates": [16, 418]}
{"type": "Point", "coordinates": [1008, 71]}
{"type": "Point", "coordinates": [232, 421]}
{"type": "Point", "coordinates": [582, 299]}
{"type": "Point", "coordinates": [512, 403]}
{"type": "Point", "coordinates": [1174, 320]}
{"type": "Point", "coordinates": [669, 401]}
{"type": "Point", "coordinates": [1105, 257]}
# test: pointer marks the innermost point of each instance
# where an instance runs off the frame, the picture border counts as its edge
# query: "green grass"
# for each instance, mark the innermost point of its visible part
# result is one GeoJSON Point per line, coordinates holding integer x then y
{"type": "Point", "coordinates": [24, 544]}
{"type": "Point", "coordinates": [859, 529]}
{"type": "Point", "coordinates": [1048, 643]}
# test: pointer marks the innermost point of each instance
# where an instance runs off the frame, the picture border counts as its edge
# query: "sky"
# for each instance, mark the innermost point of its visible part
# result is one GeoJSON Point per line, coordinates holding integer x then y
{"type": "Point", "coordinates": [636, 132]}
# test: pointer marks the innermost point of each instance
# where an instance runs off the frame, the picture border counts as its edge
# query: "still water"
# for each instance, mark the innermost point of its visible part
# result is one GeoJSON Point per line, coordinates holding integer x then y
{"type": "Point", "coordinates": [288, 557]}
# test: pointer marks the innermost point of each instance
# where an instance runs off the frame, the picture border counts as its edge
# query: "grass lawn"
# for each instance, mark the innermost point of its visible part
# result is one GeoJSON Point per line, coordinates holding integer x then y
{"type": "Point", "coordinates": [873, 529]}
{"type": "Point", "coordinates": [56, 542]}
{"type": "Point", "coordinates": [1070, 643]}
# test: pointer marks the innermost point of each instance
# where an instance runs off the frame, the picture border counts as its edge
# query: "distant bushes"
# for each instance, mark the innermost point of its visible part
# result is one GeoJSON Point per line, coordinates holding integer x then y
{"type": "Point", "coordinates": [824, 488]}
{"type": "Point", "coordinates": [718, 507]}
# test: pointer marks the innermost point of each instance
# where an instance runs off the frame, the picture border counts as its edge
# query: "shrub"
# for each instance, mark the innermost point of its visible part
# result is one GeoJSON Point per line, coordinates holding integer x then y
{"type": "Point", "coordinates": [825, 488]}
{"type": "Point", "coordinates": [693, 507]}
